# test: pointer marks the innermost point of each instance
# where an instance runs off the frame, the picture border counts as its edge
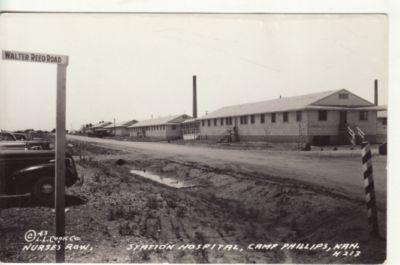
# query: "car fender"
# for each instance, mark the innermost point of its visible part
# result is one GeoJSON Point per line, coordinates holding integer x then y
{"type": "Point", "coordinates": [25, 177]}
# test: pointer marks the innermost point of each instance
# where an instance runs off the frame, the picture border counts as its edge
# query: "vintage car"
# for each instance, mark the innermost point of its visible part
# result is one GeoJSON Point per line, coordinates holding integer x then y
{"type": "Point", "coordinates": [21, 136]}
{"type": "Point", "coordinates": [28, 171]}
{"type": "Point", "coordinates": [9, 139]}
{"type": "Point", "coordinates": [13, 145]}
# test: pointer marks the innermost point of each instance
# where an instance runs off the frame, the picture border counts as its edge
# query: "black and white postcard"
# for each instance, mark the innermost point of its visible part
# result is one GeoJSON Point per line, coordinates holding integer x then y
{"type": "Point", "coordinates": [193, 138]}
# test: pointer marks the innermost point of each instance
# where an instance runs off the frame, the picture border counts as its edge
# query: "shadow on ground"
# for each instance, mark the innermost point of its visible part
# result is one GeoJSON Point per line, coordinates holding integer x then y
{"type": "Point", "coordinates": [28, 202]}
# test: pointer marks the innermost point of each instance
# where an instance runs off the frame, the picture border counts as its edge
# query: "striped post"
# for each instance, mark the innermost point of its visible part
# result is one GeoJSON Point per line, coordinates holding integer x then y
{"type": "Point", "coordinates": [369, 187]}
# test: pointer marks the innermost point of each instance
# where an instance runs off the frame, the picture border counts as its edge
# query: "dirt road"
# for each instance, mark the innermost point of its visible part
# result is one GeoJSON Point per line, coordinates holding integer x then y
{"type": "Point", "coordinates": [339, 171]}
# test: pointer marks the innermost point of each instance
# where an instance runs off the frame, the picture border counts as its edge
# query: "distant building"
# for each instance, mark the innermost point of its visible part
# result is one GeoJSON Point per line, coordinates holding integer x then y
{"type": "Point", "coordinates": [191, 129]}
{"type": "Point", "coordinates": [165, 128]}
{"type": "Point", "coordinates": [97, 129]}
{"type": "Point", "coordinates": [381, 128]}
{"type": "Point", "coordinates": [120, 128]}
{"type": "Point", "coordinates": [319, 118]}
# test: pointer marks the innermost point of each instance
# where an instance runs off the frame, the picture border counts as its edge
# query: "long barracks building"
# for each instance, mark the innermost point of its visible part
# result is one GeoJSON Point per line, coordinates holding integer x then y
{"type": "Point", "coordinates": [163, 128]}
{"type": "Point", "coordinates": [320, 118]}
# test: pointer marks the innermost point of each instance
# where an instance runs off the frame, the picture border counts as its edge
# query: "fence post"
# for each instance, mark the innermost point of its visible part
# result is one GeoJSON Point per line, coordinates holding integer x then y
{"type": "Point", "coordinates": [369, 187]}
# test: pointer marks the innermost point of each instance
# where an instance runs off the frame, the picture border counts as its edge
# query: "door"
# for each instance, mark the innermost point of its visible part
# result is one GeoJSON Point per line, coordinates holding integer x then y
{"type": "Point", "coordinates": [343, 118]}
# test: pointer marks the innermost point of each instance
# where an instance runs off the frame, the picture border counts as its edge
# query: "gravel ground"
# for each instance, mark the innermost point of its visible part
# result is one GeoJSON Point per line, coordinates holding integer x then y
{"type": "Point", "coordinates": [223, 202]}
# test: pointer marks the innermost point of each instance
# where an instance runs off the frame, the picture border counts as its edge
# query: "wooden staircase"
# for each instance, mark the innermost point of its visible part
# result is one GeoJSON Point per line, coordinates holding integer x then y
{"type": "Point", "coordinates": [230, 135]}
{"type": "Point", "coordinates": [226, 137]}
{"type": "Point", "coordinates": [355, 134]}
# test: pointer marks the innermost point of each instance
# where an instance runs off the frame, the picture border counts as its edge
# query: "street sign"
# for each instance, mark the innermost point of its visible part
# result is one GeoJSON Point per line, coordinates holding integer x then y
{"type": "Point", "coordinates": [34, 57]}
{"type": "Point", "coordinates": [62, 63]}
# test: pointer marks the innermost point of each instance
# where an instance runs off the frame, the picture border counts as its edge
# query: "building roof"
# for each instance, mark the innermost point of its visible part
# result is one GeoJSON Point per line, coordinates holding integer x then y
{"type": "Point", "coordinates": [121, 124]}
{"type": "Point", "coordinates": [100, 125]}
{"type": "Point", "coordinates": [173, 119]}
{"type": "Point", "coordinates": [377, 108]}
{"type": "Point", "coordinates": [382, 114]}
{"type": "Point", "coordinates": [277, 105]}
{"type": "Point", "coordinates": [190, 120]}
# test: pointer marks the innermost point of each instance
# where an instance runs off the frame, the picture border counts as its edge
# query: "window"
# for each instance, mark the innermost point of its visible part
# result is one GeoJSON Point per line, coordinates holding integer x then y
{"type": "Point", "coordinates": [298, 115]}
{"type": "Point", "coordinates": [243, 119]}
{"type": "Point", "coordinates": [222, 121]}
{"type": "Point", "coordinates": [173, 127]}
{"type": "Point", "coordinates": [208, 123]}
{"type": "Point", "coordinates": [322, 115]}
{"type": "Point", "coordinates": [384, 121]}
{"type": "Point", "coordinates": [273, 117]}
{"type": "Point", "coordinates": [285, 116]}
{"type": "Point", "coordinates": [215, 122]}
{"type": "Point", "coordinates": [252, 119]}
{"type": "Point", "coordinates": [363, 115]}
{"type": "Point", "coordinates": [343, 96]}
{"type": "Point", "coordinates": [262, 118]}
{"type": "Point", "coordinates": [202, 123]}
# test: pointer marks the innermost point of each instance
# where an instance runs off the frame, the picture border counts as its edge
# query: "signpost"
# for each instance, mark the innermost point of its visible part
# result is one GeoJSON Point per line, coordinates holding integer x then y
{"type": "Point", "coordinates": [62, 63]}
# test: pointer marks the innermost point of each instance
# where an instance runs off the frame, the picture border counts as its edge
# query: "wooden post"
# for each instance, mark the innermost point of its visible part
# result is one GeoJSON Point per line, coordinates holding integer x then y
{"type": "Point", "coordinates": [62, 63]}
{"type": "Point", "coordinates": [115, 133]}
{"type": "Point", "coordinates": [60, 160]}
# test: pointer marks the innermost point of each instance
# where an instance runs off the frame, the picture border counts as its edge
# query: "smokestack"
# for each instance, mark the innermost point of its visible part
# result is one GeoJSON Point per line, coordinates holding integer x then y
{"type": "Point", "coordinates": [376, 93]}
{"type": "Point", "coordinates": [194, 97]}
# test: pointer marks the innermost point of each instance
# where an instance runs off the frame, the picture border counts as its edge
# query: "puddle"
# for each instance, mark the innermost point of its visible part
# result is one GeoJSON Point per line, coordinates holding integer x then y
{"type": "Point", "coordinates": [162, 180]}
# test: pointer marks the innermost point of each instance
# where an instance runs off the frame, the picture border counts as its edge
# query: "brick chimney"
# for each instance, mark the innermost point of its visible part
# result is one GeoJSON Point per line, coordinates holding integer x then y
{"type": "Point", "coordinates": [194, 97]}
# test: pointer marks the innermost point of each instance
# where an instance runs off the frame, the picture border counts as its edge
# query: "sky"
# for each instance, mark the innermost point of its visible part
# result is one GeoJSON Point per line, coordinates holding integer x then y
{"type": "Point", "coordinates": [138, 66]}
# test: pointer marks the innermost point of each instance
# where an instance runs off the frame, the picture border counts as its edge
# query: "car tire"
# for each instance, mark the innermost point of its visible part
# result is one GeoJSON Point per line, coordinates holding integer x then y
{"type": "Point", "coordinates": [43, 190]}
